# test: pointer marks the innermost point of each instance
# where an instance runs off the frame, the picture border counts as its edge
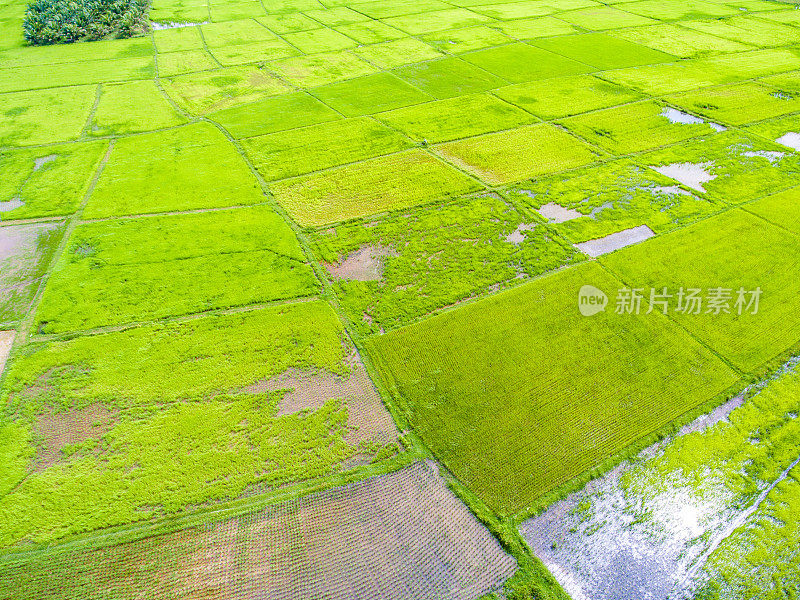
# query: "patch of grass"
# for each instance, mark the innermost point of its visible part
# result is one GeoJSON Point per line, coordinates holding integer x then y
{"type": "Point", "coordinates": [526, 29]}
{"type": "Point", "coordinates": [370, 32]}
{"type": "Point", "coordinates": [616, 196]}
{"type": "Point", "coordinates": [675, 40]}
{"type": "Point", "coordinates": [449, 77]}
{"type": "Point", "coordinates": [517, 63]}
{"type": "Point", "coordinates": [308, 71]}
{"type": "Point", "coordinates": [456, 41]}
{"type": "Point", "coordinates": [56, 187]}
{"type": "Point", "coordinates": [369, 94]}
{"type": "Point", "coordinates": [522, 153]}
{"type": "Point", "coordinates": [132, 107]}
{"type": "Point", "coordinates": [185, 61]}
{"type": "Point", "coordinates": [320, 40]}
{"type": "Point", "coordinates": [738, 104]}
{"type": "Point", "coordinates": [733, 250]}
{"type": "Point", "coordinates": [257, 52]}
{"type": "Point", "coordinates": [566, 96]}
{"type": "Point", "coordinates": [512, 434]}
{"type": "Point", "coordinates": [453, 18]}
{"type": "Point", "coordinates": [116, 272]}
{"type": "Point", "coordinates": [207, 91]}
{"type": "Point", "coordinates": [603, 18]}
{"type": "Point", "coordinates": [278, 113]}
{"type": "Point", "coordinates": [45, 116]}
{"type": "Point", "coordinates": [603, 51]}
{"type": "Point", "coordinates": [748, 30]}
{"type": "Point", "coordinates": [179, 169]}
{"type": "Point", "coordinates": [300, 151]}
{"type": "Point", "coordinates": [633, 128]}
{"type": "Point", "coordinates": [782, 208]}
{"type": "Point", "coordinates": [454, 118]}
{"type": "Point", "coordinates": [439, 255]}
{"type": "Point", "coordinates": [388, 55]}
{"type": "Point", "coordinates": [378, 185]}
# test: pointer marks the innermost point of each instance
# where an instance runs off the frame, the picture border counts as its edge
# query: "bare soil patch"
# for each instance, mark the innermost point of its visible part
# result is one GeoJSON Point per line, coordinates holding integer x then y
{"type": "Point", "coordinates": [692, 175]}
{"type": "Point", "coordinates": [615, 241]}
{"type": "Point", "coordinates": [58, 430]}
{"type": "Point", "coordinates": [365, 264]}
{"type": "Point", "coordinates": [6, 341]}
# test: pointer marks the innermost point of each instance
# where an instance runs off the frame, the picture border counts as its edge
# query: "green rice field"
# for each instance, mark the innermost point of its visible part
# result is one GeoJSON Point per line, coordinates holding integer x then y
{"type": "Point", "coordinates": [289, 286]}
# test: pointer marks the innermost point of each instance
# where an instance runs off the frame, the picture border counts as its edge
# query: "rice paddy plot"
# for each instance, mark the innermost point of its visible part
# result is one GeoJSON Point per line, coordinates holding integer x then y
{"type": "Point", "coordinates": [454, 118]}
{"type": "Point", "coordinates": [788, 17]}
{"type": "Point", "coordinates": [602, 51]}
{"type": "Point", "coordinates": [514, 10]}
{"type": "Point", "coordinates": [677, 10]}
{"type": "Point", "coordinates": [453, 18]}
{"type": "Point", "coordinates": [680, 42]}
{"type": "Point", "coordinates": [281, 23]}
{"type": "Point", "coordinates": [782, 209]}
{"type": "Point", "coordinates": [393, 182]}
{"type": "Point", "coordinates": [612, 197]}
{"type": "Point", "coordinates": [369, 94]}
{"type": "Point", "coordinates": [105, 50]}
{"type": "Point", "coordinates": [526, 29]}
{"type": "Point", "coordinates": [390, 272]}
{"type": "Point", "coordinates": [732, 251]}
{"type": "Point", "coordinates": [500, 158]}
{"type": "Point", "coordinates": [207, 434]}
{"type": "Point", "coordinates": [45, 116]}
{"type": "Point", "coordinates": [517, 63]}
{"type": "Point", "coordinates": [13, 79]}
{"type": "Point", "coordinates": [370, 32]}
{"type": "Point", "coordinates": [185, 61]}
{"type": "Point", "coordinates": [300, 151]}
{"type": "Point", "coordinates": [635, 127]}
{"type": "Point", "coordinates": [98, 281]}
{"type": "Point", "coordinates": [319, 40]}
{"type": "Point", "coordinates": [336, 16]}
{"type": "Point", "coordinates": [566, 96]}
{"type": "Point", "coordinates": [178, 39]}
{"type": "Point", "coordinates": [784, 131]}
{"type": "Point", "coordinates": [25, 254]}
{"type": "Point", "coordinates": [47, 180]}
{"type": "Point", "coordinates": [178, 12]}
{"type": "Point", "coordinates": [448, 77]}
{"type": "Point", "coordinates": [738, 104]}
{"type": "Point", "coordinates": [231, 33]}
{"type": "Point", "coordinates": [178, 169]}
{"type": "Point", "coordinates": [456, 41]}
{"type": "Point", "coordinates": [208, 91]}
{"type": "Point", "coordinates": [514, 434]}
{"type": "Point", "coordinates": [396, 53]}
{"type": "Point", "coordinates": [603, 18]}
{"type": "Point", "coordinates": [748, 30]}
{"type": "Point", "coordinates": [132, 107]}
{"type": "Point", "coordinates": [333, 541]}
{"type": "Point", "coordinates": [395, 8]}
{"type": "Point", "coordinates": [319, 69]}
{"type": "Point", "coordinates": [728, 166]}
{"type": "Point", "coordinates": [235, 11]}
{"type": "Point", "coordinates": [276, 113]}
{"type": "Point", "coordinates": [257, 52]}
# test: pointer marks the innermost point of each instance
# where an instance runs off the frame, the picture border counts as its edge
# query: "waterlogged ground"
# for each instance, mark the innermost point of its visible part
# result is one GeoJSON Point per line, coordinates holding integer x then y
{"type": "Point", "coordinates": [709, 513]}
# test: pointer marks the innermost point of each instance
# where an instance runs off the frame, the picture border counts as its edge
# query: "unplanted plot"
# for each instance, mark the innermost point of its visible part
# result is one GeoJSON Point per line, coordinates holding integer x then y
{"type": "Point", "coordinates": [45, 116]}
{"type": "Point", "coordinates": [355, 537]}
{"type": "Point", "coordinates": [518, 154]}
{"type": "Point", "coordinates": [369, 94]}
{"type": "Point", "coordinates": [566, 96]}
{"type": "Point", "coordinates": [738, 104]}
{"type": "Point", "coordinates": [517, 63]}
{"type": "Point", "coordinates": [728, 166]}
{"type": "Point", "coordinates": [192, 413]}
{"type": "Point", "coordinates": [388, 55]}
{"type": "Point", "coordinates": [374, 186]}
{"type": "Point", "coordinates": [613, 197]}
{"type": "Point", "coordinates": [455, 118]}
{"type": "Point", "coordinates": [207, 91]}
{"type": "Point", "coordinates": [603, 51]}
{"type": "Point", "coordinates": [278, 113]}
{"type": "Point", "coordinates": [731, 252]}
{"type": "Point", "coordinates": [99, 281]}
{"type": "Point", "coordinates": [25, 254]}
{"type": "Point", "coordinates": [678, 41]}
{"type": "Point", "coordinates": [391, 272]}
{"type": "Point", "coordinates": [132, 107]}
{"type": "Point", "coordinates": [46, 181]}
{"type": "Point", "coordinates": [636, 127]}
{"type": "Point", "coordinates": [180, 169]}
{"type": "Point", "coordinates": [308, 71]}
{"type": "Point", "coordinates": [300, 151]}
{"type": "Point", "coordinates": [513, 434]}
